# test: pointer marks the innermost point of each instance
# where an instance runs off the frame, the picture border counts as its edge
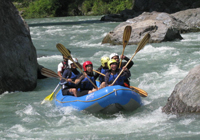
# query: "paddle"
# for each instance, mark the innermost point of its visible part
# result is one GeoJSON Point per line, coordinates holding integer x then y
{"type": "Point", "coordinates": [140, 46]}
{"type": "Point", "coordinates": [126, 37]}
{"type": "Point", "coordinates": [51, 74]}
{"type": "Point", "coordinates": [50, 97]}
{"type": "Point", "coordinates": [138, 90]}
{"type": "Point", "coordinates": [66, 53]}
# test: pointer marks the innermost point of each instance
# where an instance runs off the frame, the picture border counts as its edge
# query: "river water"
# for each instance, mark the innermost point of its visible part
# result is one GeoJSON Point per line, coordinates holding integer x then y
{"type": "Point", "coordinates": [157, 69]}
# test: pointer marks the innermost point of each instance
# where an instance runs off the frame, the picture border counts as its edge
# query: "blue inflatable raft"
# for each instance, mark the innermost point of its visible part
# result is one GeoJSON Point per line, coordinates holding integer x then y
{"type": "Point", "coordinates": [108, 100]}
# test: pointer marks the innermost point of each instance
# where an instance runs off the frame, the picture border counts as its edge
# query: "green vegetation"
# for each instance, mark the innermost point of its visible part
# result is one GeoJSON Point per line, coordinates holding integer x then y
{"type": "Point", "coordinates": [53, 8]}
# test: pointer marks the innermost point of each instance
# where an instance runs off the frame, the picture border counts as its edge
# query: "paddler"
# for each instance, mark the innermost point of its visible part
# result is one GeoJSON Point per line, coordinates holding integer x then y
{"type": "Point", "coordinates": [113, 72]}
{"type": "Point", "coordinates": [82, 82]}
{"type": "Point", "coordinates": [64, 65]}
{"type": "Point", "coordinates": [71, 74]}
{"type": "Point", "coordinates": [102, 69]}
{"type": "Point", "coordinates": [115, 56]}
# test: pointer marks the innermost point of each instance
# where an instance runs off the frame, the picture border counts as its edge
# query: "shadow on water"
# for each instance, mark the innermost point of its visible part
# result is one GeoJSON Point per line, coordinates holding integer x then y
{"type": "Point", "coordinates": [66, 23]}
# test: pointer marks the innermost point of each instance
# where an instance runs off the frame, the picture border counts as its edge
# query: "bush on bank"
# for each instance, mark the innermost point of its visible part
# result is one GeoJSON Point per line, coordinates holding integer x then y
{"type": "Point", "coordinates": [56, 8]}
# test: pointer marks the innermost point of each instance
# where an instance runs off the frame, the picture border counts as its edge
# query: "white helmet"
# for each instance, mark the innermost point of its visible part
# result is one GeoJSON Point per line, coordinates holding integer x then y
{"type": "Point", "coordinates": [113, 54]}
{"type": "Point", "coordinates": [70, 62]}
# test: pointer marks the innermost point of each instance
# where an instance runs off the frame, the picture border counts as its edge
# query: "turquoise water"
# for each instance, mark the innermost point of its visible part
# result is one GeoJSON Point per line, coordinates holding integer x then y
{"type": "Point", "coordinates": [157, 69]}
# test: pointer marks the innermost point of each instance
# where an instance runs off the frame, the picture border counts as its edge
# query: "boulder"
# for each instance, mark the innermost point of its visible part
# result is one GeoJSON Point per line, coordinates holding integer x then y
{"type": "Point", "coordinates": [191, 18]}
{"type": "Point", "coordinates": [161, 26]}
{"type": "Point", "coordinates": [18, 69]}
{"type": "Point", "coordinates": [186, 95]}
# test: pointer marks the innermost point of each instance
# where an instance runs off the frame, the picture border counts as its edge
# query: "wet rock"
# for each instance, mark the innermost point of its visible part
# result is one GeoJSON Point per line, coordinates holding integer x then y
{"type": "Point", "coordinates": [191, 18]}
{"type": "Point", "coordinates": [186, 95]}
{"type": "Point", "coordinates": [161, 26]}
{"type": "Point", "coordinates": [18, 69]}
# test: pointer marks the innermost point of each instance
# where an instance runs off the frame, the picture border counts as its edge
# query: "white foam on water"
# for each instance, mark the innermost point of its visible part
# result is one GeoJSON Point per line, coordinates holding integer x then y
{"type": "Point", "coordinates": [75, 31]}
{"type": "Point", "coordinates": [186, 121]}
{"type": "Point", "coordinates": [77, 26]}
{"type": "Point", "coordinates": [155, 53]}
{"type": "Point", "coordinates": [27, 111]}
{"type": "Point", "coordinates": [4, 94]}
{"type": "Point", "coordinates": [50, 58]}
{"type": "Point", "coordinates": [85, 44]}
{"type": "Point", "coordinates": [100, 54]}
{"type": "Point", "coordinates": [174, 71]}
{"type": "Point", "coordinates": [18, 128]}
{"type": "Point", "coordinates": [150, 49]}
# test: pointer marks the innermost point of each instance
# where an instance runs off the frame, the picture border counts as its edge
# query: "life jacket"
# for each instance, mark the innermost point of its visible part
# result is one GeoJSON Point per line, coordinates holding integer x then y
{"type": "Point", "coordinates": [72, 76]}
{"type": "Point", "coordinates": [65, 65]}
{"type": "Point", "coordinates": [101, 77]}
{"type": "Point", "coordinates": [120, 80]}
{"type": "Point", "coordinates": [85, 84]}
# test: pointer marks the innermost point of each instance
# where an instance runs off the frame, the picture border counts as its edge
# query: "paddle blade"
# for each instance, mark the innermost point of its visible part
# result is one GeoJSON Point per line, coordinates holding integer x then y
{"type": "Point", "coordinates": [126, 35]}
{"type": "Point", "coordinates": [139, 91]}
{"type": "Point", "coordinates": [49, 73]}
{"type": "Point", "coordinates": [143, 42]}
{"type": "Point", "coordinates": [48, 98]}
{"type": "Point", "coordinates": [64, 51]}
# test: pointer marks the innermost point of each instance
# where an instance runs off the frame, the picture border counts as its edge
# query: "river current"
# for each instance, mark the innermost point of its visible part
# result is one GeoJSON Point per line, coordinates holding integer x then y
{"type": "Point", "coordinates": [157, 69]}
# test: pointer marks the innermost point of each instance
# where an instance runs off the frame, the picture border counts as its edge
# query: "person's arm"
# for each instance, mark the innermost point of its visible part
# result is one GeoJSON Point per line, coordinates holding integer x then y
{"type": "Point", "coordinates": [126, 73]}
{"type": "Point", "coordinates": [124, 63]}
{"type": "Point", "coordinates": [60, 65]}
{"type": "Point", "coordinates": [64, 75]}
{"type": "Point", "coordinates": [81, 76]}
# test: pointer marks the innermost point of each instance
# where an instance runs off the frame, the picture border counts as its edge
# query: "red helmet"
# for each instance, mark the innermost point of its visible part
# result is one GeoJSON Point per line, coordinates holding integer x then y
{"type": "Point", "coordinates": [86, 63]}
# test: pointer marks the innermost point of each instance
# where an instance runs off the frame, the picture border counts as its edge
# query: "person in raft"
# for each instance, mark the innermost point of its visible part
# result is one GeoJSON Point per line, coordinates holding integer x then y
{"type": "Point", "coordinates": [116, 57]}
{"type": "Point", "coordinates": [84, 86]}
{"type": "Point", "coordinates": [64, 65]}
{"type": "Point", "coordinates": [102, 69]}
{"type": "Point", "coordinates": [71, 74]}
{"type": "Point", "coordinates": [113, 72]}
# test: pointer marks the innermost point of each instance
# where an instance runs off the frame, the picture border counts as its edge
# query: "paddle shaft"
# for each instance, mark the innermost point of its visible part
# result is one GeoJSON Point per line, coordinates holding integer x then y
{"type": "Point", "coordinates": [99, 72]}
{"type": "Point", "coordinates": [56, 88]}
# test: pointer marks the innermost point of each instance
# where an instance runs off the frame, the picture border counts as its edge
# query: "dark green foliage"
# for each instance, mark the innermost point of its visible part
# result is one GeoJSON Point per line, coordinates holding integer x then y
{"type": "Point", "coordinates": [49, 8]}
{"type": "Point", "coordinates": [42, 8]}
{"type": "Point", "coordinates": [99, 7]}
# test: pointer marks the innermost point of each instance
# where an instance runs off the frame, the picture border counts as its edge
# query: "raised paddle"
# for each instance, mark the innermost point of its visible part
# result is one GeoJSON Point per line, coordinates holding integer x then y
{"type": "Point", "coordinates": [66, 53]}
{"type": "Point", "coordinates": [138, 90]}
{"type": "Point", "coordinates": [140, 46]}
{"type": "Point", "coordinates": [50, 96]}
{"type": "Point", "coordinates": [126, 37]}
{"type": "Point", "coordinates": [51, 74]}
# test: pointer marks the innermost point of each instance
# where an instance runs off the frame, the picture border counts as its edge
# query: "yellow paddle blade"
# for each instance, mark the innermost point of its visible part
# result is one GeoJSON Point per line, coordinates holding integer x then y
{"type": "Point", "coordinates": [140, 91]}
{"type": "Point", "coordinates": [48, 98]}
